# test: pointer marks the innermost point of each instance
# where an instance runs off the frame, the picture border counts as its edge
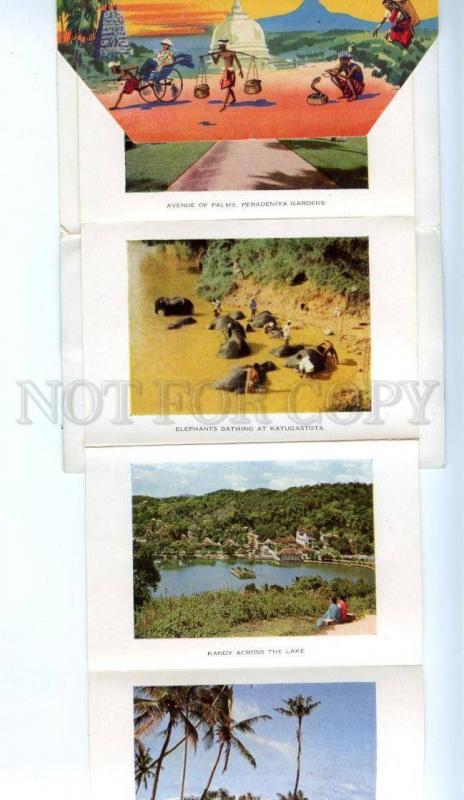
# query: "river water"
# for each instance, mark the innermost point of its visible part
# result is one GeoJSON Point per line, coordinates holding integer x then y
{"type": "Point", "coordinates": [201, 576]}
{"type": "Point", "coordinates": [190, 355]}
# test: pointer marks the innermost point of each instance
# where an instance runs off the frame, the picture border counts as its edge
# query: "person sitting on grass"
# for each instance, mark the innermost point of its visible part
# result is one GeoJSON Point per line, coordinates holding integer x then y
{"type": "Point", "coordinates": [348, 76]}
{"type": "Point", "coordinates": [331, 616]}
{"type": "Point", "coordinates": [345, 616]}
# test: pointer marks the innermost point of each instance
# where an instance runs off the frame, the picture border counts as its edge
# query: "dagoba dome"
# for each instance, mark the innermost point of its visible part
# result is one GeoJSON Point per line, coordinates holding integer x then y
{"type": "Point", "coordinates": [242, 32]}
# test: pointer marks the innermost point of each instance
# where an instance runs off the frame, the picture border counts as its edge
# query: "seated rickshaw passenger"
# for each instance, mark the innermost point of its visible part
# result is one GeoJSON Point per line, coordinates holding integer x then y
{"type": "Point", "coordinates": [164, 58]}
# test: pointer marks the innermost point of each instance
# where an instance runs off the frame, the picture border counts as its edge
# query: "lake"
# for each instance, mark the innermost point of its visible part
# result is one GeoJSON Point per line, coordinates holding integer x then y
{"type": "Point", "coordinates": [201, 576]}
{"type": "Point", "coordinates": [195, 46]}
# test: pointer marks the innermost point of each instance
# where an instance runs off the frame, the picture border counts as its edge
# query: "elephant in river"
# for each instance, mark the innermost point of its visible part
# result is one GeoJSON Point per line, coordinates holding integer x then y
{"type": "Point", "coordinates": [224, 322]}
{"type": "Point", "coordinates": [286, 350]}
{"type": "Point", "coordinates": [235, 346]}
{"type": "Point", "coordinates": [262, 319]}
{"type": "Point", "coordinates": [173, 306]}
{"type": "Point", "coordinates": [235, 379]}
{"type": "Point", "coordinates": [181, 323]}
{"type": "Point", "coordinates": [323, 357]}
{"type": "Point", "coordinates": [237, 315]}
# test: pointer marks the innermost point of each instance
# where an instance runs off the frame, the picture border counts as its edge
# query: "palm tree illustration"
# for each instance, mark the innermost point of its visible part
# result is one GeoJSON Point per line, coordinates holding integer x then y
{"type": "Point", "coordinates": [224, 733]}
{"type": "Point", "coordinates": [298, 707]}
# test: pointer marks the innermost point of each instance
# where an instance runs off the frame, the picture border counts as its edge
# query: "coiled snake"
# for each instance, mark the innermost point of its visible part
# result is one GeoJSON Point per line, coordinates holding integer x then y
{"type": "Point", "coordinates": [317, 98]}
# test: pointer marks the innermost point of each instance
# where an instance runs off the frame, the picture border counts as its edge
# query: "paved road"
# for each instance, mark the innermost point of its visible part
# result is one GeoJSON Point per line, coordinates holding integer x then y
{"type": "Point", "coordinates": [250, 164]}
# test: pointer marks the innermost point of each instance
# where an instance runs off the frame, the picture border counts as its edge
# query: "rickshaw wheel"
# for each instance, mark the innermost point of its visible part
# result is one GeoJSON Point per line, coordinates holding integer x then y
{"type": "Point", "coordinates": [159, 88]}
{"type": "Point", "coordinates": [171, 87]}
{"type": "Point", "coordinates": [147, 93]}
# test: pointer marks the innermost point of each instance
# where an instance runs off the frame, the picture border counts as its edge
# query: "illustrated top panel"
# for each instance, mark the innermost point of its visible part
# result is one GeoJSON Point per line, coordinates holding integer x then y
{"type": "Point", "coordinates": [280, 69]}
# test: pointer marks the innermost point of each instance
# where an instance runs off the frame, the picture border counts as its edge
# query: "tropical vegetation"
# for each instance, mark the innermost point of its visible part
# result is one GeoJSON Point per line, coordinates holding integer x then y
{"type": "Point", "coordinates": [253, 611]}
{"type": "Point", "coordinates": [222, 522]}
{"type": "Point", "coordinates": [189, 716]}
{"type": "Point", "coordinates": [385, 59]}
{"type": "Point", "coordinates": [336, 264]}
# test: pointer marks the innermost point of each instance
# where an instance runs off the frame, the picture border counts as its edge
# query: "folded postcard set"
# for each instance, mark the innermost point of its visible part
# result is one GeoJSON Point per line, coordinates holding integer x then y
{"type": "Point", "coordinates": [252, 369]}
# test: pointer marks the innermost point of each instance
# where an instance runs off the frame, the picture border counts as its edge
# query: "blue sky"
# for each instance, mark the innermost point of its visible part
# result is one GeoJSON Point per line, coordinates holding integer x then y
{"type": "Point", "coordinates": [168, 480]}
{"type": "Point", "coordinates": [339, 747]}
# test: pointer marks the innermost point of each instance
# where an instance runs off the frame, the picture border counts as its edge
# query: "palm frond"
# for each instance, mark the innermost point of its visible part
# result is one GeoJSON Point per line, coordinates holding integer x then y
{"type": "Point", "coordinates": [243, 751]}
{"type": "Point", "coordinates": [246, 725]}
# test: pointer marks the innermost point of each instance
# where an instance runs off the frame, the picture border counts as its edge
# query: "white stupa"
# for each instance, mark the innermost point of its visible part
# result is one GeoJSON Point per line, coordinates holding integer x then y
{"type": "Point", "coordinates": [242, 32]}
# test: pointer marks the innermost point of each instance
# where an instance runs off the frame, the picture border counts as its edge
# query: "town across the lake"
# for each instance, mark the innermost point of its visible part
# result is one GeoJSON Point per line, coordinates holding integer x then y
{"type": "Point", "coordinates": [259, 559]}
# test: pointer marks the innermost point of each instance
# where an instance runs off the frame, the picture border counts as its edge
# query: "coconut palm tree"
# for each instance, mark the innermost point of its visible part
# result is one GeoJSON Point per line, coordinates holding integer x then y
{"type": "Point", "coordinates": [156, 704]}
{"type": "Point", "coordinates": [224, 733]}
{"type": "Point", "coordinates": [183, 706]}
{"type": "Point", "coordinates": [298, 707]}
{"type": "Point", "coordinates": [143, 765]}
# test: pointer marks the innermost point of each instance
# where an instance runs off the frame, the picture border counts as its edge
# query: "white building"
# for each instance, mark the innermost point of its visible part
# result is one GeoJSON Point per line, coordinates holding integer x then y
{"type": "Point", "coordinates": [267, 551]}
{"type": "Point", "coordinates": [305, 537]}
{"type": "Point", "coordinates": [242, 33]}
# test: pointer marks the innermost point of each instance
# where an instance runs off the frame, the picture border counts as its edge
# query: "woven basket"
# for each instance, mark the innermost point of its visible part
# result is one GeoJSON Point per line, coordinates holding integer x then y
{"type": "Point", "coordinates": [320, 100]}
{"type": "Point", "coordinates": [201, 91]}
{"type": "Point", "coordinates": [253, 86]}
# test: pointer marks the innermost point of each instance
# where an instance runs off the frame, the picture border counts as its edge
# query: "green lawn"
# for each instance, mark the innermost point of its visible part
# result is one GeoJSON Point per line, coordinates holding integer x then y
{"type": "Point", "coordinates": [153, 167]}
{"type": "Point", "coordinates": [344, 162]}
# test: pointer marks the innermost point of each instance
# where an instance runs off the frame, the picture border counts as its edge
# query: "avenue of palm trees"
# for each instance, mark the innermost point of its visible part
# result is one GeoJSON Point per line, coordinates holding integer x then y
{"type": "Point", "coordinates": [186, 717]}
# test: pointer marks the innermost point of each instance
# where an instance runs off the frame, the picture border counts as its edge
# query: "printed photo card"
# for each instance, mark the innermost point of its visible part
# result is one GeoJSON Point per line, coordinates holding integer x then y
{"type": "Point", "coordinates": [242, 554]}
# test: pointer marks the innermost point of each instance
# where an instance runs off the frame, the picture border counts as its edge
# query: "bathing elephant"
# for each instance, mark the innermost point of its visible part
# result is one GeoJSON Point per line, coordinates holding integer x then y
{"type": "Point", "coordinates": [286, 350]}
{"type": "Point", "coordinates": [222, 323]}
{"type": "Point", "coordinates": [236, 346]}
{"type": "Point", "coordinates": [173, 306]}
{"type": "Point", "coordinates": [235, 379]}
{"type": "Point", "coordinates": [323, 357]}
{"type": "Point", "coordinates": [181, 323]}
{"type": "Point", "coordinates": [262, 319]}
{"type": "Point", "coordinates": [237, 315]}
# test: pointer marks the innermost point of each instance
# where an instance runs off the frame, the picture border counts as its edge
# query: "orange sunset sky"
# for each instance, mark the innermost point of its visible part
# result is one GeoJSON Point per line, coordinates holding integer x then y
{"type": "Point", "coordinates": [164, 17]}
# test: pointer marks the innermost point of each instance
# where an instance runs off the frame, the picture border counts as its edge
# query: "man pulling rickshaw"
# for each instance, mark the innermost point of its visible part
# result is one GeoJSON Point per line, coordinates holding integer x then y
{"type": "Point", "coordinates": [156, 79]}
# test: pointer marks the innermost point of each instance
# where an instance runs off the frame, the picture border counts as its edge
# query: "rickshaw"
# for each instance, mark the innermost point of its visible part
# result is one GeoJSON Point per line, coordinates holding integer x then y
{"type": "Point", "coordinates": [166, 84]}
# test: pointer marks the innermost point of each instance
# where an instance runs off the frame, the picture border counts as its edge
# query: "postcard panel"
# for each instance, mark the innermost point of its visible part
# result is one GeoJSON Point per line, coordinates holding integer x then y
{"type": "Point", "coordinates": [263, 331]}
{"type": "Point", "coordinates": [247, 556]}
{"type": "Point", "coordinates": [361, 734]}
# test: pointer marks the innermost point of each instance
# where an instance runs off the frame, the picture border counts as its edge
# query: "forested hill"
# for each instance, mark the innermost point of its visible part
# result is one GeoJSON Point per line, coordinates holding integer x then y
{"type": "Point", "coordinates": [343, 510]}
{"type": "Point", "coordinates": [334, 264]}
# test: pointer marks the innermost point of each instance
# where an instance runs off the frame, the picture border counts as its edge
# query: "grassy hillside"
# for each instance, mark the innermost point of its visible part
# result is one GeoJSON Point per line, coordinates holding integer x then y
{"type": "Point", "coordinates": [334, 264]}
{"type": "Point", "coordinates": [385, 59]}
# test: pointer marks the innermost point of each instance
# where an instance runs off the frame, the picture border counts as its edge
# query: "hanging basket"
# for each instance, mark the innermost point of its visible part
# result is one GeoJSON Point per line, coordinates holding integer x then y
{"type": "Point", "coordinates": [201, 92]}
{"type": "Point", "coordinates": [253, 86]}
